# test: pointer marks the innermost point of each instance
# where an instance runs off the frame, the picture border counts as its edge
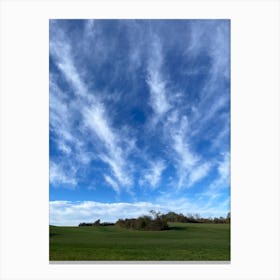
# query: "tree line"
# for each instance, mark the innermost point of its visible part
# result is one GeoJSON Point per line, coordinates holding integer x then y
{"type": "Point", "coordinates": [159, 221]}
{"type": "Point", "coordinates": [195, 218]}
{"type": "Point", "coordinates": [96, 223]}
{"type": "Point", "coordinates": [146, 222]}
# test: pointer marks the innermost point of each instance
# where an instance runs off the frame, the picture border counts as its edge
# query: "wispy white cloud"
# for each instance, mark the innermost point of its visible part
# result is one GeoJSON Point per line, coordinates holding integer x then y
{"type": "Point", "coordinates": [223, 169]}
{"type": "Point", "coordinates": [223, 136]}
{"type": "Point", "coordinates": [118, 165]}
{"type": "Point", "coordinates": [153, 175]}
{"type": "Point", "coordinates": [222, 181]}
{"type": "Point", "coordinates": [112, 183]}
{"type": "Point", "coordinates": [67, 141]}
{"type": "Point", "coordinates": [66, 149]}
{"type": "Point", "coordinates": [61, 51]}
{"type": "Point", "coordinates": [96, 119]}
{"type": "Point", "coordinates": [180, 144]}
{"type": "Point", "coordinates": [60, 114]}
{"type": "Point", "coordinates": [199, 172]}
{"type": "Point", "coordinates": [193, 167]}
{"type": "Point", "coordinates": [92, 112]}
{"type": "Point", "coordinates": [220, 51]}
{"type": "Point", "coordinates": [158, 98]}
{"type": "Point", "coordinates": [173, 117]}
{"type": "Point", "coordinates": [211, 38]}
{"type": "Point", "coordinates": [190, 166]}
{"type": "Point", "coordinates": [157, 85]}
{"type": "Point", "coordinates": [61, 176]}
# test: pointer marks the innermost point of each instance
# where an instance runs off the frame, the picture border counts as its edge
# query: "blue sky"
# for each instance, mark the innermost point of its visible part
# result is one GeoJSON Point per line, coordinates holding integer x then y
{"type": "Point", "coordinates": [139, 118]}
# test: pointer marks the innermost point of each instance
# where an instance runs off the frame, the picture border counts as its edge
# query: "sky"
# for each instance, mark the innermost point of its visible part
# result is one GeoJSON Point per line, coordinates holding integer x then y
{"type": "Point", "coordinates": [139, 118]}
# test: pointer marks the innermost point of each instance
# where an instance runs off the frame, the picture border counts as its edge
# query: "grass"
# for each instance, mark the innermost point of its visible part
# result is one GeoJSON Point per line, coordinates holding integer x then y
{"type": "Point", "coordinates": [183, 242]}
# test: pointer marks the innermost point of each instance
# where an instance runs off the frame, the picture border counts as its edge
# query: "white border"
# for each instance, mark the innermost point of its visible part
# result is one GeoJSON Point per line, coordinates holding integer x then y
{"type": "Point", "coordinates": [254, 142]}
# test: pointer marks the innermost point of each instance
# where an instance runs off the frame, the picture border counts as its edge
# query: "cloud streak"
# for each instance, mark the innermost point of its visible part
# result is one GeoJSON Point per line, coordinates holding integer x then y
{"type": "Point", "coordinates": [158, 96]}
{"type": "Point", "coordinates": [191, 167]}
{"type": "Point", "coordinates": [59, 175]}
{"type": "Point", "coordinates": [89, 108]}
{"type": "Point", "coordinates": [153, 175]}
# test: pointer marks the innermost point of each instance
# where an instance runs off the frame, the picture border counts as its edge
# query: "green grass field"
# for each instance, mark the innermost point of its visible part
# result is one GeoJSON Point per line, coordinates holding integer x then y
{"type": "Point", "coordinates": [183, 242]}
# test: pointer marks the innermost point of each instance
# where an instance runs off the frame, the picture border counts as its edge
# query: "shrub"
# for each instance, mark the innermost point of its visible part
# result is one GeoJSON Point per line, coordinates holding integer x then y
{"type": "Point", "coordinates": [144, 223]}
{"type": "Point", "coordinates": [97, 223]}
{"type": "Point", "coordinates": [85, 224]}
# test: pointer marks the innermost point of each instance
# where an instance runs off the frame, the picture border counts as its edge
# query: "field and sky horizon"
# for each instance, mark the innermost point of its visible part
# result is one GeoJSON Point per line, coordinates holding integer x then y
{"type": "Point", "coordinates": [139, 118]}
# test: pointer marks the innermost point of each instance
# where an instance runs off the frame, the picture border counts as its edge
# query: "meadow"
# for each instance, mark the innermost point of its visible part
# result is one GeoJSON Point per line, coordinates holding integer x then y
{"type": "Point", "coordinates": [182, 242]}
